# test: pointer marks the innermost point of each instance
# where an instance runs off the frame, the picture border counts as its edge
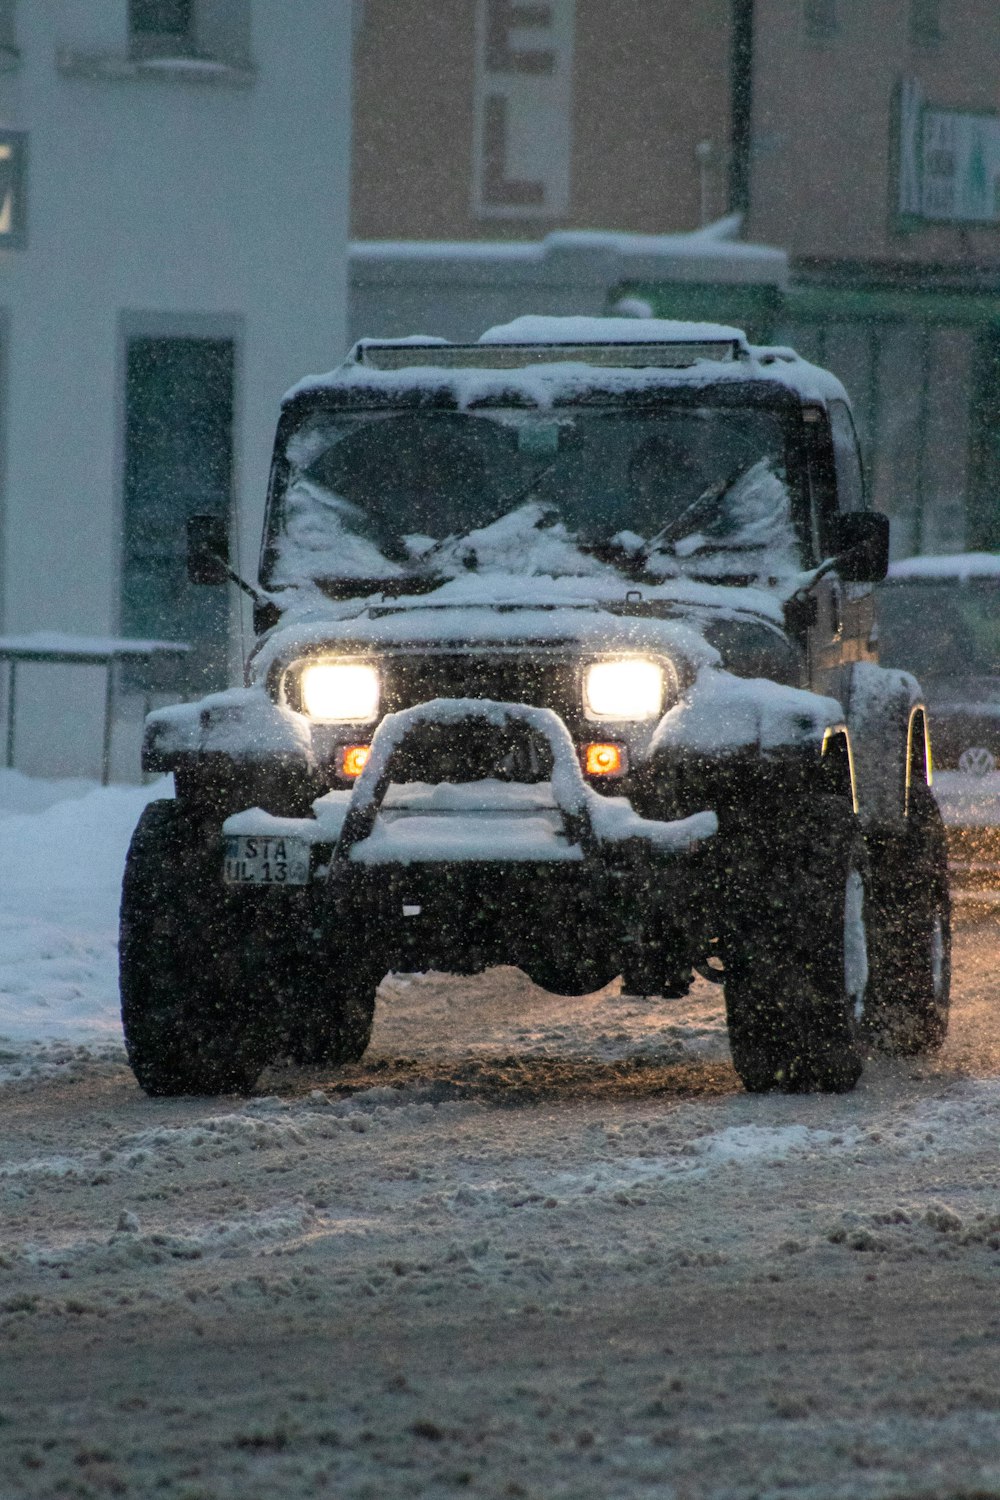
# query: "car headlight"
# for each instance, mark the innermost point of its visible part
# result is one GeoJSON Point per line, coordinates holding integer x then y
{"type": "Point", "coordinates": [339, 692]}
{"type": "Point", "coordinates": [628, 687]}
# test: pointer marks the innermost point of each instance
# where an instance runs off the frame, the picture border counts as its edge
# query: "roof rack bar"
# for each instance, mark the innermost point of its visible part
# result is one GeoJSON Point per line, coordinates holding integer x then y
{"type": "Point", "coordinates": [626, 355]}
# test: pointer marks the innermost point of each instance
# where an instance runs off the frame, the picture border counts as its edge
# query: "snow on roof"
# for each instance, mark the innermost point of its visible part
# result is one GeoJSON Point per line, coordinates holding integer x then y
{"type": "Point", "coordinates": [549, 330]}
{"type": "Point", "coordinates": [955, 565]}
{"type": "Point", "coordinates": [557, 382]}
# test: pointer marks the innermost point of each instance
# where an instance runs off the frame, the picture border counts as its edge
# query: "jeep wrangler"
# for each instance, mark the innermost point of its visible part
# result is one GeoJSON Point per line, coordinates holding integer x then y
{"type": "Point", "coordinates": [565, 658]}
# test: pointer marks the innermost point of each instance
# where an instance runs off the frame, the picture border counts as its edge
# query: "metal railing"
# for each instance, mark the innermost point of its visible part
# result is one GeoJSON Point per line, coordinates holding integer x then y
{"type": "Point", "coordinates": [50, 648]}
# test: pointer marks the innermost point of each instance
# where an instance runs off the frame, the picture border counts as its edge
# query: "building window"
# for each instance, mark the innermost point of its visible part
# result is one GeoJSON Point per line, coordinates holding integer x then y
{"type": "Point", "coordinates": [206, 30]}
{"type": "Point", "coordinates": [821, 20]}
{"type": "Point", "coordinates": [161, 27]}
{"type": "Point", "coordinates": [8, 43]}
{"type": "Point", "coordinates": [925, 22]}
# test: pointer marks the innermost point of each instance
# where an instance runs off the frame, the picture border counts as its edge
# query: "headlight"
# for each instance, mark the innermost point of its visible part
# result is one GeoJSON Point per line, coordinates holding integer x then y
{"type": "Point", "coordinates": [630, 687]}
{"type": "Point", "coordinates": [339, 692]}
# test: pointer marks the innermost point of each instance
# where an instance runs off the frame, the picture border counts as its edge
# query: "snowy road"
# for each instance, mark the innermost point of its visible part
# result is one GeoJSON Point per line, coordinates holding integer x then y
{"type": "Point", "coordinates": [531, 1247]}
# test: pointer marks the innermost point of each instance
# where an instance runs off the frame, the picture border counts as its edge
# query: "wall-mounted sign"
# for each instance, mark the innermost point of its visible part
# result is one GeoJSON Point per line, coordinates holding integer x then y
{"type": "Point", "coordinates": [949, 162]}
{"type": "Point", "coordinates": [523, 127]}
{"type": "Point", "coordinates": [13, 189]}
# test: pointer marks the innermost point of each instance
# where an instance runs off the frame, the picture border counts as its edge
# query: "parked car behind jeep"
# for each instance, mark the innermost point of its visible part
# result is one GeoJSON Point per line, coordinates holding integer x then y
{"type": "Point", "coordinates": [939, 617]}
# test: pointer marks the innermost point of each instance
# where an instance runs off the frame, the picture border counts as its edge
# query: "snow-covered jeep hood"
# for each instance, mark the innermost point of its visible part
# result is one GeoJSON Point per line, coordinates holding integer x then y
{"type": "Point", "coordinates": [500, 610]}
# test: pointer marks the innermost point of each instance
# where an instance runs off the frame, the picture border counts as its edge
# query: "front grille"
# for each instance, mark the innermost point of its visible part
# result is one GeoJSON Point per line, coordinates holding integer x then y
{"type": "Point", "coordinates": [507, 677]}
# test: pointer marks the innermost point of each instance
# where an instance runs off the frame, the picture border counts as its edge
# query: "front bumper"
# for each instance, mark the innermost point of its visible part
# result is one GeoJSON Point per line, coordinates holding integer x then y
{"type": "Point", "coordinates": [461, 875]}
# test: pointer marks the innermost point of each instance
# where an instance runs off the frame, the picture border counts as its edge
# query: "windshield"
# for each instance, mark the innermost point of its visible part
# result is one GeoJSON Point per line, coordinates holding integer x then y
{"type": "Point", "coordinates": [387, 495]}
{"type": "Point", "coordinates": [947, 629]}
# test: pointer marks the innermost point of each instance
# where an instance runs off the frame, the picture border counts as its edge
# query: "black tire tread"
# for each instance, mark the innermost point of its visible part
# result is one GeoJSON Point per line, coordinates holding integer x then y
{"type": "Point", "coordinates": [331, 1028]}
{"type": "Point", "coordinates": [906, 1018]}
{"type": "Point", "coordinates": [187, 1027]}
{"type": "Point", "coordinates": [789, 1027]}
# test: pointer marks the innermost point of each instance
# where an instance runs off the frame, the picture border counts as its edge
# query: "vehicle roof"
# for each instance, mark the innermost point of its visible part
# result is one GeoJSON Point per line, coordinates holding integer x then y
{"type": "Point", "coordinates": [953, 566]}
{"type": "Point", "coordinates": [558, 365]}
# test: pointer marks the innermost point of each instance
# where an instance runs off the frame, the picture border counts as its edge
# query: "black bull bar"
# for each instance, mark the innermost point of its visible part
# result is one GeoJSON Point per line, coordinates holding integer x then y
{"type": "Point", "coordinates": [501, 853]}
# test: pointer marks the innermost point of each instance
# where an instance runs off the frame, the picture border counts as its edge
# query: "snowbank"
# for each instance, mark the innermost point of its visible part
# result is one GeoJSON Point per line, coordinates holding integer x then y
{"type": "Point", "coordinates": [62, 851]}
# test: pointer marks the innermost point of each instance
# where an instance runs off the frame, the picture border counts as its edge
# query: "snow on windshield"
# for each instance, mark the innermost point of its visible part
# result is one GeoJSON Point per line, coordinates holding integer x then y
{"type": "Point", "coordinates": [750, 532]}
{"type": "Point", "coordinates": [373, 497]}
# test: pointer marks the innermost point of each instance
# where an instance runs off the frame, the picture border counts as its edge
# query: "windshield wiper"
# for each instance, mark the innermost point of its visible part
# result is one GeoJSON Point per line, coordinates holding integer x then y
{"type": "Point", "coordinates": [692, 515]}
{"type": "Point", "coordinates": [509, 503]}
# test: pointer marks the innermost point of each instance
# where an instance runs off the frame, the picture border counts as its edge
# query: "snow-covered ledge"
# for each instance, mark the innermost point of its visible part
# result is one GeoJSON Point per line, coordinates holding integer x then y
{"type": "Point", "coordinates": [459, 287]}
{"type": "Point", "coordinates": [713, 253]}
{"type": "Point", "coordinates": [114, 67]}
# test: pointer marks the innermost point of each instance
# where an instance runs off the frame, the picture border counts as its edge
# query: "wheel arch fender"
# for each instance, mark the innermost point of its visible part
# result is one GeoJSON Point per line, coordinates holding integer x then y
{"type": "Point", "coordinates": [919, 765]}
{"type": "Point", "coordinates": [890, 735]}
{"type": "Point", "coordinates": [240, 724]}
{"type": "Point", "coordinates": [722, 713]}
{"type": "Point", "coordinates": [839, 774]}
{"type": "Point", "coordinates": [743, 737]}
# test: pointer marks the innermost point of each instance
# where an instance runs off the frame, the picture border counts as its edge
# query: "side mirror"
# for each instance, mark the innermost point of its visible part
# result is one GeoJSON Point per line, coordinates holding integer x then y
{"type": "Point", "coordinates": [208, 549]}
{"type": "Point", "coordinates": [860, 542]}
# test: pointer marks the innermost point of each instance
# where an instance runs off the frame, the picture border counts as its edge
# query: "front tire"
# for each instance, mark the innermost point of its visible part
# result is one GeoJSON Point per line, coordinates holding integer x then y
{"type": "Point", "coordinates": [796, 953]}
{"type": "Point", "coordinates": [329, 1022]}
{"type": "Point", "coordinates": [909, 1015]}
{"type": "Point", "coordinates": [188, 1014]}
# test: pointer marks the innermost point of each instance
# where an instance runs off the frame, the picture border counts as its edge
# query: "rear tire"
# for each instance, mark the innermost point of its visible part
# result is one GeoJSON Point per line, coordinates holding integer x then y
{"type": "Point", "coordinates": [912, 936]}
{"type": "Point", "coordinates": [648, 973]}
{"type": "Point", "coordinates": [796, 960]}
{"type": "Point", "coordinates": [329, 1024]}
{"type": "Point", "coordinates": [190, 1023]}
{"type": "Point", "coordinates": [580, 976]}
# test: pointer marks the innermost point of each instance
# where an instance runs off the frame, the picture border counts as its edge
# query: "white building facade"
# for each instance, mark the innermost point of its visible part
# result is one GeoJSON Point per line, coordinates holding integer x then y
{"type": "Point", "coordinates": [174, 184]}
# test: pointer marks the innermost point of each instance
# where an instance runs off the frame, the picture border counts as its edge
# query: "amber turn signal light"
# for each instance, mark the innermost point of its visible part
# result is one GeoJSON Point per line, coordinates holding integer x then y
{"type": "Point", "coordinates": [605, 760]}
{"type": "Point", "coordinates": [353, 759]}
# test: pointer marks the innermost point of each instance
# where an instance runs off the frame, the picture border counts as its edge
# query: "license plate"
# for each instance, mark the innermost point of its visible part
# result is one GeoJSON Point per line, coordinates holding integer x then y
{"type": "Point", "coordinates": [266, 861]}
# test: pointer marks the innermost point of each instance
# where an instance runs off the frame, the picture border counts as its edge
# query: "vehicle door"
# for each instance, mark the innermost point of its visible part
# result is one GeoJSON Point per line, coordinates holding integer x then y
{"type": "Point", "coordinates": [843, 625]}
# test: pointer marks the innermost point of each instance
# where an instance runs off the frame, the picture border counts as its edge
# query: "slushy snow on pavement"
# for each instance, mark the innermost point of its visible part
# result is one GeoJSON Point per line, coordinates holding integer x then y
{"type": "Point", "coordinates": [530, 1245]}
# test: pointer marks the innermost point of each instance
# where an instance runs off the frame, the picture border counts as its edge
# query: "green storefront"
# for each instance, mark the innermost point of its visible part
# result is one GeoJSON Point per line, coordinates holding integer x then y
{"type": "Point", "coordinates": [923, 370]}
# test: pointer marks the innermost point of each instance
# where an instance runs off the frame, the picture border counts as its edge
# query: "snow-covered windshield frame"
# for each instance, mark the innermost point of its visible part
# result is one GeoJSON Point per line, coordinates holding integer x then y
{"type": "Point", "coordinates": [333, 401]}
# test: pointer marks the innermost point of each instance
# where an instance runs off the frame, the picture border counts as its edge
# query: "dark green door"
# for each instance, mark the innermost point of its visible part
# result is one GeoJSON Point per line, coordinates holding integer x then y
{"type": "Point", "coordinates": [178, 463]}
